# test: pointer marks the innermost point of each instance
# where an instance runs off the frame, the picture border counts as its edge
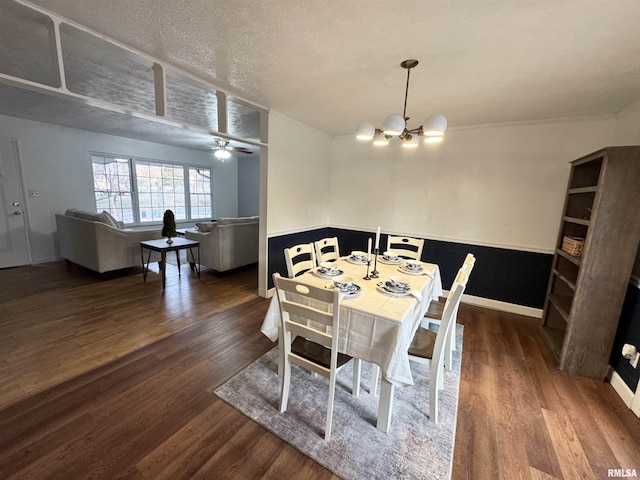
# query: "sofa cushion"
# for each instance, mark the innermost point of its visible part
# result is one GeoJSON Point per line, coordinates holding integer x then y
{"type": "Point", "coordinates": [206, 226]}
{"type": "Point", "coordinates": [72, 212]}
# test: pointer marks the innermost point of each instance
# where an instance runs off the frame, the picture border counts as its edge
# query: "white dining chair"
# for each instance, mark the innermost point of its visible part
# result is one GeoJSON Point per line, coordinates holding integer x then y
{"type": "Point", "coordinates": [327, 250]}
{"type": "Point", "coordinates": [436, 307]}
{"type": "Point", "coordinates": [406, 247]}
{"type": "Point", "coordinates": [311, 345]}
{"type": "Point", "coordinates": [300, 258]}
{"type": "Point", "coordinates": [429, 346]}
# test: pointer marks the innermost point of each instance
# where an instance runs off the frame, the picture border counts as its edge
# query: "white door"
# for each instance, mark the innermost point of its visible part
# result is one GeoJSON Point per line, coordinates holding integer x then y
{"type": "Point", "coordinates": [635, 405]}
{"type": "Point", "coordinates": [14, 249]}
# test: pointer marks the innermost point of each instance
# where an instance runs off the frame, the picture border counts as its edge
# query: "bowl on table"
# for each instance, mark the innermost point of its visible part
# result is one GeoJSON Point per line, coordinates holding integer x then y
{"type": "Point", "coordinates": [343, 283]}
{"type": "Point", "coordinates": [413, 265]}
{"type": "Point", "coordinates": [398, 282]}
{"type": "Point", "coordinates": [328, 268]}
{"type": "Point", "coordinates": [390, 256]}
{"type": "Point", "coordinates": [359, 256]}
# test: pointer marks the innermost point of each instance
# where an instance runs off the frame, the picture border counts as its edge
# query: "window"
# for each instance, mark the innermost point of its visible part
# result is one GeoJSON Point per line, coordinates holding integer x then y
{"type": "Point", "coordinates": [200, 192]}
{"type": "Point", "coordinates": [112, 186]}
{"type": "Point", "coordinates": [159, 186]}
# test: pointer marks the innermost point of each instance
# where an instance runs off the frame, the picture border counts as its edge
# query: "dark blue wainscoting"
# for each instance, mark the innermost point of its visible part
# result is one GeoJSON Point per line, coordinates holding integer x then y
{"type": "Point", "coordinates": [511, 276]}
{"type": "Point", "coordinates": [628, 332]}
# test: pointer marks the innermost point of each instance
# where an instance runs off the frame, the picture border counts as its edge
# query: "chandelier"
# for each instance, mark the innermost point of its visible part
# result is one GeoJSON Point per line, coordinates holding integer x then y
{"type": "Point", "coordinates": [432, 129]}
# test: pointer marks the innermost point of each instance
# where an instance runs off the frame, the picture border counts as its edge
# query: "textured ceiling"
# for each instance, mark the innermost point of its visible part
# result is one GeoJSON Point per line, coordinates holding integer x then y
{"type": "Point", "coordinates": [332, 64]}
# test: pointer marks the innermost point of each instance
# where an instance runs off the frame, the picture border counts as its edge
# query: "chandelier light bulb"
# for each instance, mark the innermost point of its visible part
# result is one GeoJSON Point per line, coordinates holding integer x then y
{"type": "Point", "coordinates": [365, 131]}
{"type": "Point", "coordinates": [434, 126]}
{"type": "Point", "coordinates": [379, 139]}
{"type": "Point", "coordinates": [432, 139]}
{"type": "Point", "coordinates": [394, 124]}
{"type": "Point", "coordinates": [411, 143]}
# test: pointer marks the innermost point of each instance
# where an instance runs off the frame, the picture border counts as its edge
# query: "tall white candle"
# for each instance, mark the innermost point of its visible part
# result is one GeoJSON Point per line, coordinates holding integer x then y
{"type": "Point", "coordinates": [378, 238]}
{"type": "Point", "coordinates": [369, 250]}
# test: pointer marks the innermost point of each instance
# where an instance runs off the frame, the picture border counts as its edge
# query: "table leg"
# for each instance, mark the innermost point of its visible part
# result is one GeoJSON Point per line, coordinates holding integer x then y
{"type": "Point", "coordinates": [163, 268]}
{"type": "Point", "coordinates": [178, 261]}
{"type": "Point", "coordinates": [145, 267]}
{"type": "Point", "coordinates": [385, 405]}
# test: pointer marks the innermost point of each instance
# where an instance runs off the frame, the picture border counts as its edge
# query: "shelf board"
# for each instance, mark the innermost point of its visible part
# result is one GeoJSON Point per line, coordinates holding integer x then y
{"type": "Point", "coordinates": [583, 190]}
{"type": "Point", "coordinates": [554, 337]}
{"type": "Point", "coordinates": [572, 258]}
{"type": "Point", "coordinates": [579, 221]}
{"type": "Point", "coordinates": [570, 283]}
{"type": "Point", "coordinates": [562, 304]}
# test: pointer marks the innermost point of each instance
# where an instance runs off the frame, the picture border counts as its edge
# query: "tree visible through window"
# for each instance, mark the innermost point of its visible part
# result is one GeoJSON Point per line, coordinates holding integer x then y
{"type": "Point", "coordinates": [160, 186]}
{"type": "Point", "coordinates": [112, 186]}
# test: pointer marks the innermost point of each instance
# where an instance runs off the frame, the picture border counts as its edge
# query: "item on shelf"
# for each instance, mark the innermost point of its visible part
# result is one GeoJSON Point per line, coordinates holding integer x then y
{"type": "Point", "coordinates": [573, 245]}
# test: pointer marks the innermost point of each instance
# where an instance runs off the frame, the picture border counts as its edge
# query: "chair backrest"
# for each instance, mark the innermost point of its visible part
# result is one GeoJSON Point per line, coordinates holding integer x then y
{"type": "Point", "coordinates": [442, 340]}
{"type": "Point", "coordinates": [300, 258]}
{"type": "Point", "coordinates": [327, 250]}
{"type": "Point", "coordinates": [300, 302]}
{"type": "Point", "coordinates": [406, 247]}
{"type": "Point", "coordinates": [469, 263]}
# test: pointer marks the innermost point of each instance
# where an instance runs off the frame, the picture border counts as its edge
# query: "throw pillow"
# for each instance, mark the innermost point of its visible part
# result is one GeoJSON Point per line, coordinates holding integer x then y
{"type": "Point", "coordinates": [112, 220]}
{"type": "Point", "coordinates": [206, 226]}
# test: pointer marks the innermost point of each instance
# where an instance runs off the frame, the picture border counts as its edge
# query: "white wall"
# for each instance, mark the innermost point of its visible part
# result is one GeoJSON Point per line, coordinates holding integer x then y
{"type": "Point", "coordinates": [627, 131]}
{"type": "Point", "coordinates": [56, 162]}
{"type": "Point", "coordinates": [495, 185]}
{"type": "Point", "coordinates": [248, 187]}
{"type": "Point", "coordinates": [298, 176]}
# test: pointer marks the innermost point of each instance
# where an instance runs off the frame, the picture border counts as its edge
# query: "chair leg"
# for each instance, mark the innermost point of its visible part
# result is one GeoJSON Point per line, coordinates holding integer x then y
{"type": "Point", "coordinates": [433, 398]}
{"type": "Point", "coordinates": [375, 373]}
{"type": "Point", "coordinates": [357, 367]}
{"type": "Point", "coordinates": [332, 391]}
{"type": "Point", "coordinates": [286, 381]}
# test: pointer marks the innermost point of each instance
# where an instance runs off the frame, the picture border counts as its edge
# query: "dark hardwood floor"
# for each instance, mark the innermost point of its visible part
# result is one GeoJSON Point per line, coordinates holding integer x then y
{"type": "Point", "coordinates": [113, 379]}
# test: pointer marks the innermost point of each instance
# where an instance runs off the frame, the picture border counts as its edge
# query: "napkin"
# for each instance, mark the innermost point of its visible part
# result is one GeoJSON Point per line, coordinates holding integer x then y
{"type": "Point", "coordinates": [416, 294]}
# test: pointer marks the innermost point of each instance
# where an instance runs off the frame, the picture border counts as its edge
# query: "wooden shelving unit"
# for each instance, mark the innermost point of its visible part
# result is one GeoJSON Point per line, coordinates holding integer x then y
{"type": "Point", "coordinates": [585, 293]}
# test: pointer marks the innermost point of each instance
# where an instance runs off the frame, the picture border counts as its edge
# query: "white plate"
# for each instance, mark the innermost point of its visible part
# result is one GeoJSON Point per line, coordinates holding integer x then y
{"type": "Point", "coordinates": [318, 271]}
{"type": "Point", "coordinates": [411, 272]}
{"type": "Point", "coordinates": [390, 262]}
{"type": "Point", "coordinates": [350, 259]}
{"type": "Point", "coordinates": [381, 286]}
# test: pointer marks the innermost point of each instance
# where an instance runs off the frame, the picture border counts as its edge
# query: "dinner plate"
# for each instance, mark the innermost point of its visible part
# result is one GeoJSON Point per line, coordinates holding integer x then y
{"type": "Point", "coordinates": [318, 271]}
{"type": "Point", "coordinates": [383, 288]}
{"type": "Point", "coordinates": [356, 262]}
{"type": "Point", "coordinates": [390, 262]}
{"type": "Point", "coordinates": [411, 272]}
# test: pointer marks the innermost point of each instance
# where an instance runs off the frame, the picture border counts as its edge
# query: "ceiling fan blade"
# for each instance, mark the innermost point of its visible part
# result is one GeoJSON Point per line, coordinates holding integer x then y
{"type": "Point", "coordinates": [240, 150]}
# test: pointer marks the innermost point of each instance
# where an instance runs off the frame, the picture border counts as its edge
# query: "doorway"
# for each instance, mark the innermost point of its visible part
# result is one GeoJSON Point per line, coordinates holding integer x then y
{"type": "Point", "coordinates": [14, 246]}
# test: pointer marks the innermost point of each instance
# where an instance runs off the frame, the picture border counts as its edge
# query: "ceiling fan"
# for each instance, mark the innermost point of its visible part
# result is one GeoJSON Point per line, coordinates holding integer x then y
{"type": "Point", "coordinates": [223, 149]}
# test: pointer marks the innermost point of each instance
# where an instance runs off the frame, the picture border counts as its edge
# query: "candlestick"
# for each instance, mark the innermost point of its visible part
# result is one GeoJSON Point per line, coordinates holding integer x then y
{"type": "Point", "coordinates": [375, 272]}
{"type": "Point", "coordinates": [367, 277]}
{"type": "Point", "coordinates": [377, 246]}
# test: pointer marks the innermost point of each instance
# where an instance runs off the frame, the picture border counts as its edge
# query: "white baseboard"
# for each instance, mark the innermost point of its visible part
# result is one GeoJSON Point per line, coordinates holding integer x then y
{"type": "Point", "coordinates": [621, 388]}
{"type": "Point", "coordinates": [502, 306]}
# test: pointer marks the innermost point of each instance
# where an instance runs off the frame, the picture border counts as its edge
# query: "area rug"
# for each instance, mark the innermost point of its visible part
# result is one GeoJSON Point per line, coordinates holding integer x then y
{"type": "Point", "coordinates": [414, 448]}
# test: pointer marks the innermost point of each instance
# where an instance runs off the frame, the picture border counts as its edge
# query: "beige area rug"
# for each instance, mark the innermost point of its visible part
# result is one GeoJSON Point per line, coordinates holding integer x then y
{"type": "Point", "coordinates": [415, 447]}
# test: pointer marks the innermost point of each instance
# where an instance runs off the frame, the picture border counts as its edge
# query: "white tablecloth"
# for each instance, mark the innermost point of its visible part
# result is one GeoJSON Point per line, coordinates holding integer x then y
{"type": "Point", "coordinates": [374, 326]}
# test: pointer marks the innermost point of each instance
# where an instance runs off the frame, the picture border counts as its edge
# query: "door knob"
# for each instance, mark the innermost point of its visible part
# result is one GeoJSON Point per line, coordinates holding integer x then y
{"type": "Point", "coordinates": [17, 213]}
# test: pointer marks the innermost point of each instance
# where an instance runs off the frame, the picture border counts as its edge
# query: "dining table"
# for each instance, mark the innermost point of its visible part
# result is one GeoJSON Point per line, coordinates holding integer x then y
{"type": "Point", "coordinates": [376, 325]}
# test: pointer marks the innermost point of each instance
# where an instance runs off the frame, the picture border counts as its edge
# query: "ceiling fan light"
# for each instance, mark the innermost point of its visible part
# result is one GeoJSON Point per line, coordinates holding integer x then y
{"type": "Point", "coordinates": [434, 126]}
{"type": "Point", "coordinates": [394, 124]}
{"type": "Point", "coordinates": [222, 154]}
{"type": "Point", "coordinates": [380, 139]}
{"type": "Point", "coordinates": [365, 131]}
{"type": "Point", "coordinates": [433, 139]}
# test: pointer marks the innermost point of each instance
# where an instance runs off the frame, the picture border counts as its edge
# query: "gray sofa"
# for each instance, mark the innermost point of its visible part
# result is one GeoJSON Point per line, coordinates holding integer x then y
{"type": "Point", "coordinates": [227, 243]}
{"type": "Point", "coordinates": [96, 241]}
